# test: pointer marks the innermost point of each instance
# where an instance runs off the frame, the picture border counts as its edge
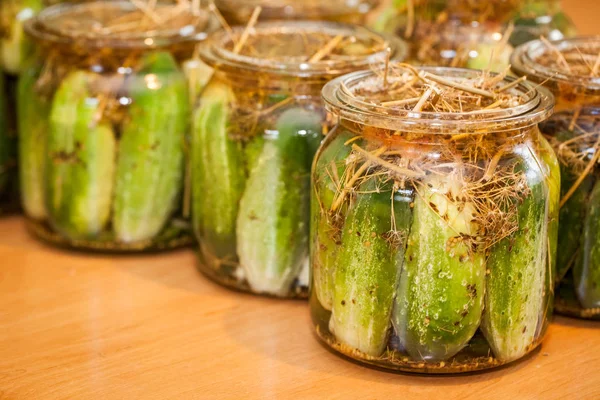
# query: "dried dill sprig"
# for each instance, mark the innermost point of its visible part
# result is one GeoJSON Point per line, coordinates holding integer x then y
{"type": "Point", "coordinates": [489, 177]}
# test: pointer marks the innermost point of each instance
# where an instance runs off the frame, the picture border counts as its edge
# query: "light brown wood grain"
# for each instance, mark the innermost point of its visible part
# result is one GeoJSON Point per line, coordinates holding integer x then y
{"type": "Point", "coordinates": [74, 326]}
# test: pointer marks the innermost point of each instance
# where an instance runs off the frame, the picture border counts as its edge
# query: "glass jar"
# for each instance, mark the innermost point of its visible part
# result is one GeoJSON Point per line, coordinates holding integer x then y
{"type": "Point", "coordinates": [574, 132]}
{"type": "Point", "coordinates": [433, 220]}
{"type": "Point", "coordinates": [14, 49]}
{"type": "Point", "coordinates": [238, 12]}
{"type": "Point", "coordinates": [541, 18]}
{"type": "Point", "coordinates": [457, 33]}
{"type": "Point", "coordinates": [256, 128]}
{"type": "Point", "coordinates": [103, 118]}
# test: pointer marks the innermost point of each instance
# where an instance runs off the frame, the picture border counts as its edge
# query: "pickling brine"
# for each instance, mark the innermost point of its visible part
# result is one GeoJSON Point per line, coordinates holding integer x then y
{"type": "Point", "coordinates": [103, 118]}
{"type": "Point", "coordinates": [570, 69]}
{"type": "Point", "coordinates": [433, 220]}
{"type": "Point", "coordinates": [255, 130]}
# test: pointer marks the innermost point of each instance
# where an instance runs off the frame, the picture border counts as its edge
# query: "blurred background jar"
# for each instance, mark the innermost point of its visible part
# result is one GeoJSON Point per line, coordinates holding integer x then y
{"type": "Point", "coordinates": [14, 50]}
{"type": "Point", "coordinates": [256, 128]}
{"type": "Point", "coordinates": [434, 220]}
{"type": "Point", "coordinates": [103, 114]}
{"type": "Point", "coordinates": [570, 68]}
{"type": "Point", "coordinates": [459, 33]}
{"type": "Point", "coordinates": [541, 18]}
{"type": "Point", "coordinates": [238, 12]}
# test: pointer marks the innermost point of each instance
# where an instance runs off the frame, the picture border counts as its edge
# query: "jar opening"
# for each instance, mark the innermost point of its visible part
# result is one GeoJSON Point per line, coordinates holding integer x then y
{"type": "Point", "coordinates": [575, 62]}
{"type": "Point", "coordinates": [300, 48]}
{"type": "Point", "coordinates": [121, 24]}
{"type": "Point", "coordinates": [437, 99]}
{"type": "Point", "coordinates": [305, 9]}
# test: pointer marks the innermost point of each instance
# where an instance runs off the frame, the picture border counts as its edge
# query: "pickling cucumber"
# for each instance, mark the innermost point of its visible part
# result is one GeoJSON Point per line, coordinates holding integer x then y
{"type": "Point", "coordinates": [218, 173]}
{"type": "Point", "coordinates": [515, 288]}
{"type": "Point", "coordinates": [586, 272]}
{"type": "Point", "coordinates": [15, 47]}
{"type": "Point", "coordinates": [571, 214]}
{"type": "Point", "coordinates": [33, 113]}
{"type": "Point", "coordinates": [368, 265]}
{"type": "Point", "coordinates": [571, 220]}
{"type": "Point", "coordinates": [80, 161]}
{"type": "Point", "coordinates": [149, 175]}
{"type": "Point", "coordinates": [485, 51]}
{"type": "Point", "coordinates": [272, 225]}
{"type": "Point", "coordinates": [440, 296]}
{"type": "Point", "coordinates": [325, 227]}
{"type": "Point", "coordinates": [198, 75]}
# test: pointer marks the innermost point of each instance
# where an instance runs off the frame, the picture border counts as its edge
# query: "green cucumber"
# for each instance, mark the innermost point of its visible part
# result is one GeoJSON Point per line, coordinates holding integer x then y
{"type": "Point", "coordinates": [440, 297]}
{"type": "Point", "coordinates": [572, 213]}
{"type": "Point", "coordinates": [516, 283]}
{"type": "Point", "coordinates": [4, 139]}
{"type": "Point", "coordinates": [149, 175]}
{"type": "Point", "coordinates": [198, 75]}
{"type": "Point", "coordinates": [368, 266]}
{"type": "Point", "coordinates": [586, 271]}
{"type": "Point", "coordinates": [484, 61]}
{"type": "Point", "coordinates": [15, 48]}
{"type": "Point", "coordinates": [80, 164]}
{"type": "Point", "coordinates": [571, 220]}
{"type": "Point", "coordinates": [272, 225]}
{"type": "Point", "coordinates": [218, 173]}
{"type": "Point", "coordinates": [325, 235]}
{"type": "Point", "coordinates": [33, 112]}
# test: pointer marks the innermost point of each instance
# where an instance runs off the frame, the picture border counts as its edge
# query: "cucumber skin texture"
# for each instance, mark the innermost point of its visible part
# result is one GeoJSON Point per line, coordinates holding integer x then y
{"type": "Point", "coordinates": [272, 225]}
{"type": "Point", "coordinates": [367, 270]}
{"type": "Point", "coordinates": [15, 49]}
{"type": "Point", "coordinates": [571, 220]}
{"type": "Point", "coordinates": [218, 175]}
{"type": "Point", "coordinates": [515, 288]}
{"type": "Point", "coordinates": [80, 163]}
{"type": "Point", "coordinates": [439, 303]}
{"type": "Point", "coordinates": [4, 139]}
{"type": "Point", "coordinates": [149, 175]}
{"type": "Point", "coordinates": [33, 113]}
{"type": "Point", "coordinates": [586, 271]}
{"type": "Point", "coordinates": [572, 213]}
{"type": "Point", "coordinates": [324, 247]}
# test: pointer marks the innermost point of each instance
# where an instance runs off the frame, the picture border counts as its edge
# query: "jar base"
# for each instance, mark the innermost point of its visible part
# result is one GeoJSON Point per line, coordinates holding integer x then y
{"type": "Point", "coordinates": [229, 281]}
{"type": "Point", "coordinates": [395, 361]}
{"type": "Point", "coordinates": [571, 308]}
{"type": "Point", "coordinates": [173, 240]}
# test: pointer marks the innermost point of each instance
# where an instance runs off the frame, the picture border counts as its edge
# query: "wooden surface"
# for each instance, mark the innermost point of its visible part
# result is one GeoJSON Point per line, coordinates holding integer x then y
{"type": "Point", "coordinates": [74, 326]}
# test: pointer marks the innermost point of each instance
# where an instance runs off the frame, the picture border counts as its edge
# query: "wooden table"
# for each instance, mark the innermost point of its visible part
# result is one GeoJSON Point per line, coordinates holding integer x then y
{"type": "Point", "coordinates": [74, 326]}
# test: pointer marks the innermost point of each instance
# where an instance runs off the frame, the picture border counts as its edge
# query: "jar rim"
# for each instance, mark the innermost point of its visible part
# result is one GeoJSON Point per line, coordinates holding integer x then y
{"type": "Point", "coordinates": [524, 62]}
{"type": "Point", "coordinates": [302, 9]}
{"type": "Point", "coordinates": [216, 54]}
{"type": "Point", "coordinates": [48, 25]}
{"type": "Point", "coordinates": [340, 101]}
